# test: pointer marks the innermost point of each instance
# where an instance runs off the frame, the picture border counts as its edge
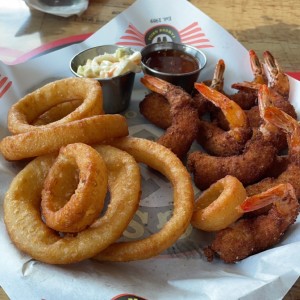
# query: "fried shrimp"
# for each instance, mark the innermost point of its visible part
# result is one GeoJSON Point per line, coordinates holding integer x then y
{"type": "Point", "coordinates": [279, 81]}
{"type": "Point", "coordinates": [279, 90]}
{"type": "Point", "coordinates": [270, 131]}
{"type": "Point", "coordinates": [156, 108]}
{"type": "Point", "coordinates": [290, 126]}
{"type": "Point", "coordinates": [217, 83]}
{"type": "Point", "coordinates": [247, 97]}
{"type": "Point", "coordinates": [292, 172]}
{"type": "Point", "coordinates": [249, 167]}
{"type": "Point", "coordinates": [181, 134]}
{"type": "Point", "coordinates": [253, 235]}
{"type": "Point", "coordinates": [215, 140]}
{"type": "Point", "coordinates": [278, 84]}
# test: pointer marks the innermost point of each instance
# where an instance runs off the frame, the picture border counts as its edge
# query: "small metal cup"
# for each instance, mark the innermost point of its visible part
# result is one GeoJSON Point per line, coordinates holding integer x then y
{"type": "Point", "coordinates": [185, 80]}
{"type": "Point", "coordinates": [116, 90]}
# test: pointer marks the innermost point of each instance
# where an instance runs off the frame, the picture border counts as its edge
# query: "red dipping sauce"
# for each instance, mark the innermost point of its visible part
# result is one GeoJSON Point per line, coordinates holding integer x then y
{"type": "Point", "coordinates": [171, 61]}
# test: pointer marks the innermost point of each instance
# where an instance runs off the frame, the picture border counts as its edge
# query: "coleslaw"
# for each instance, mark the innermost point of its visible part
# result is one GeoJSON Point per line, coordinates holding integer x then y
{"type": "Point", "coordinates": [109, 65]}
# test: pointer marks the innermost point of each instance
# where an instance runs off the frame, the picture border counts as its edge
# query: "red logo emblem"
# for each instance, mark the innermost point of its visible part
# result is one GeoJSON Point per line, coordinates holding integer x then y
{"type": "Point", "coordinates": [192, 35]}
{"type": "Point", "coordinates": [127, 297]}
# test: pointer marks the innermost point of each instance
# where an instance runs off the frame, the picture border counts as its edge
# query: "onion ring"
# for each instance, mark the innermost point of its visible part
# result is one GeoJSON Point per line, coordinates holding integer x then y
{"type": "Point", "coordinates": [87, 201]}
{"type": "Point", "coordinates": [31, 235]}
{"type": "Point", "coordinates": [215, 209]}
{"type": "Point", "coordinates": [31, 106]}
{"type": "Point", "coordinates": [165, 161]}
{"type": "Point", "coordinates": [57, 112]}
{"type": "Point", "coordinates": [37, 142]}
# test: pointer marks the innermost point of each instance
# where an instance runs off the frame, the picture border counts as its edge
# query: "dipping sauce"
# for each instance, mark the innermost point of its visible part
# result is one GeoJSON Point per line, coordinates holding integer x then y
{"type": "Point", "coordinates": [171, 61]}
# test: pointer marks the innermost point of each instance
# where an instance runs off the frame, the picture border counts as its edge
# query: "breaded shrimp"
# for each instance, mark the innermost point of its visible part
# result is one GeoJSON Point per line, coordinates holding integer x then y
{"type": "Point", "coordinates": [181, 134]}
{"type": "Point", "coordinates": [249, 167]}
{"type": "Point", "coordinates": [247, 97]}
{"type": "Point", "coordinates": [279, 81]}
{"type": "Point", "coordinates": [253, 235]}
{"type": "Point", "coordinates": [215, 140]}
{"type": "Point", "coordinates": [292, 172]}
{"type": "Point", "coordinates": [278, 93]}
{"type": "Point", "coordinates": [278, 84]}
{"type": "Point", "coordinates": [156, 108]}
{"type": "Point", "coordinates": [217, 83]}
{"type": "Point", "coordinates": [257, 158]}
{"type": "Point", "coordinates": [271, 132]}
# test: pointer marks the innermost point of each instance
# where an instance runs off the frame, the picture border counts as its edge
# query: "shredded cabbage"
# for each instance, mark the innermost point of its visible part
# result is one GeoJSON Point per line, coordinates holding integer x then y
{"type": "Point", "coordinates": [109, 65]}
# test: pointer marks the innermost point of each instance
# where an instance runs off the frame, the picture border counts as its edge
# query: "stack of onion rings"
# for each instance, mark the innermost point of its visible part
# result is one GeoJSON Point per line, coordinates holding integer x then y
{"type": "Point", "coordinates": [30, 107]}
{"type": "Point", "coordinates": [44, 209]}
{"type": "Point", "coordinates": [39, 129]}
{"type": "Point", "coordinates": [31, 235]}
{"type": "Point", "coordinates": [37, 142]}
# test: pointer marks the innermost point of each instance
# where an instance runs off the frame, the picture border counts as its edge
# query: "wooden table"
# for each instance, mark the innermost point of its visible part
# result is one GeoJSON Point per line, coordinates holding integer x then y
{"type": "Point", "coordinates": [273, 27]}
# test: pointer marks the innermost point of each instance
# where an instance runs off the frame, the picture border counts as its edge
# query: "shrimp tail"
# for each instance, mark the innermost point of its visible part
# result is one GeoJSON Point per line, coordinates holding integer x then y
{"type": "Point", "coordinates": [279, 81]}
{"type": "Point", "coordinates": [281, 119]}
{"type": "Point", "coordinates": [257, 68]}
{"type": "Point", "coordinates": [234, 114]}
{"type": "Point", "coordinates": [218, 77]}
{"type": "Point", "coordinates": [155, 84]}
{"type": "Point", "coordinates": [258, 74]}
{"type": "Point", "coordinates": [265, 198]}
{"type": "Point", "coordinates": [246, 85]}
{"type": "Point", "coordinates": [264, 99]}
{"type": "Point", "coordinates": [290, 126]}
